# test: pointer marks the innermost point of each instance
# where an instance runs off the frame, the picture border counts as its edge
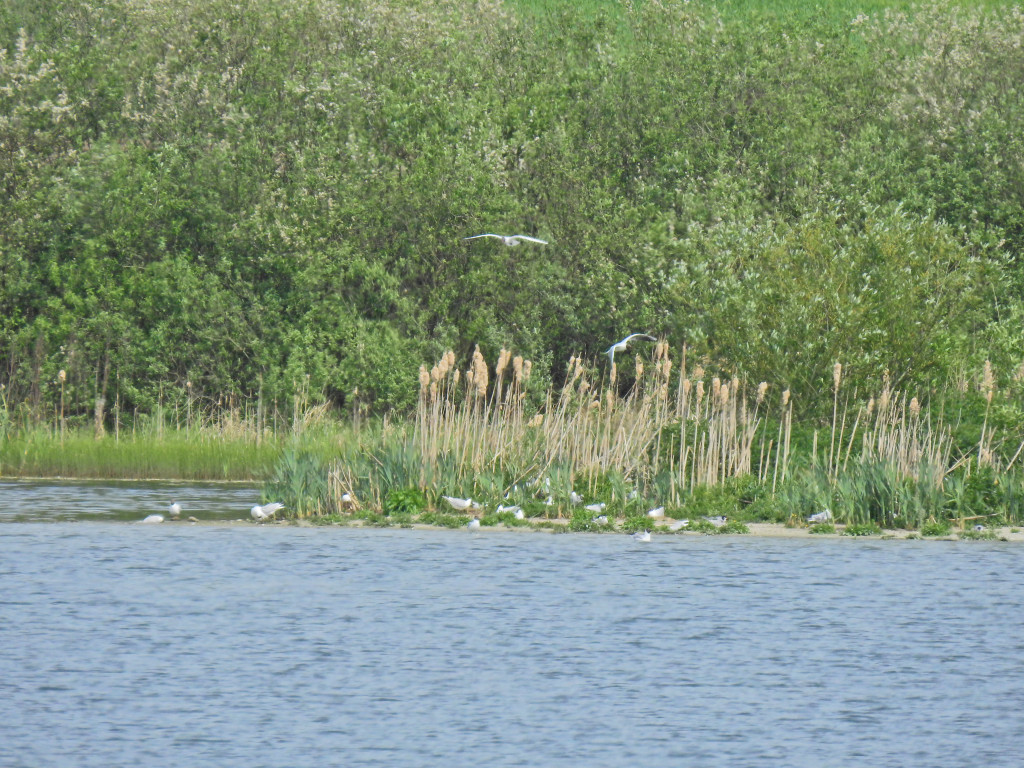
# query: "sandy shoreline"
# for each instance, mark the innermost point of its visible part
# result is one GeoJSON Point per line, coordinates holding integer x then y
{"type": "Point", "coordinates": [757, 530]}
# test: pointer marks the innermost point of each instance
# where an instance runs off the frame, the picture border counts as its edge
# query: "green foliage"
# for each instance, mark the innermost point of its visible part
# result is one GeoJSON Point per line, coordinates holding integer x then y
{"type": "Point", "coordinates": [936, 528]}
{"type": "Point", "coordinates": [636, 522]}
{"type": "Point", "coordinates": [443, 519]}
{"type": "Point", "coordinates": [405, 501]}
{"type": "Point", "coordinates": [822, 528]}
{"type": "Point", "coordinates": [983, 535]}
{"type": "Point", "coordinates": [185, 206]}
{"type": "Point", "coordinates": [862, 529]}
{"type": "Point", "coordinates": [299, 481]}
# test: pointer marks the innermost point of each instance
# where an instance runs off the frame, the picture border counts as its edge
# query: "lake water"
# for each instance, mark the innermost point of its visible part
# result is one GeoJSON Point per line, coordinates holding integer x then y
{"type": "Point", "coordinates": [183, 644]}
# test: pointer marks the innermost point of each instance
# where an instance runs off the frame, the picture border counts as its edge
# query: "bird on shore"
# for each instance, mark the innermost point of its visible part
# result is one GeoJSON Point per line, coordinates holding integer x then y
{"type": "Point", "coordinates": [642, 536]}
{"type": "Point", "coordinates": [679, 525]}
{"type": "Point", "coordinates": [265, 512]}
{"type": "Point", "coordinates": [620, 346]}
{"type": "Point", "coordinates": [575, 498]}
{"type": "Point", "coordinates": [153, 519]}
{"type": "Point", "coordinates": [595, 507]}
{"type": "Point", "coordinates": [510, 240]}
{"type": "Point", "coordinates": [461, 504]}
{"type": "Point", "coordinates": [473, 524]}
{"type": "Point", "coordinates": [657, 512]}
{"type": "Point", "coordinates": [513, 509]}
{"type": "Point", "coordinates": [174, 510]}
{"type": "Point", "coordinates": [718, 520]}
{"type": "Point", "coordinates": [820, 517]}
{"type": "Point", "coordinates": [600, 520]}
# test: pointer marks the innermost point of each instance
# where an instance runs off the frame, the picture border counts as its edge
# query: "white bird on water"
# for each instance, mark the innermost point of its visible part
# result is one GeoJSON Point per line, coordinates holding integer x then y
{"type": "Point", "coordinates": [620, 346]}
{"type": "Point", "coordinates": [473, 524]}
{"type": "Point", "coordinates": [265, 512]}
{"type": "Point", "coordinates": [642, 536]}
{"type": "Point", "coordinates": [510, 240]}
{"type": "Point", "coordinates": [174, 511]}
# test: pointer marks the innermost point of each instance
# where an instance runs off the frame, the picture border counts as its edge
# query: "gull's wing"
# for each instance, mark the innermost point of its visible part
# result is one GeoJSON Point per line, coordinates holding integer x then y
{"type": "Point", "coordinates": [486, 234]}
{"type": "Point", "coordinates": [637, 335]}
{"type": "Point", "coordinates": [531, 239]}
{"type": "Point", "coordinates": [270, 509]}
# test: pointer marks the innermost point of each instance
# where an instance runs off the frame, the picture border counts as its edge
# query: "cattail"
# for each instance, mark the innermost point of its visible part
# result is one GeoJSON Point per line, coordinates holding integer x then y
{"type": "Point", "coordinates": [762, 388]}
{"type": "Point", "coordinates": [883, 400]}
{"type": "Point", "coordinates": [61, 376]}
{"type": "Point", "coordinates": [735, 384]}
{"type": "Point", "coordinates": [871, 406]}
{"type": "Point", "coordinates": [503, 357]}
{"type": "Point", "coordinates": [723, 395]}
{"type": "Point", "coordinates": [785, 398]}
{"type": "Point", "coordinates": [527, 367]}
{"type": "Point", "coordinates": [915, 407]}
{"type": "Point", "coordinates": [988, 381]}
{"type": "Point", "coordinates": [537, 420]}
{"type": "Point", "coordinates": [698, 373]}
{"type": "Point", "coordinates": [584, 386]}
{"type": "Point", "coordinates": [639, 367]}
{"type": "Point", "coordinates": [424, 378]}
{"type": "Point", "coordinates": [595, 404]}
{"type": "Point", "coordinates": [517, 368]}
{"type": "Point", "coordinates": [687, 386]}
{"type": "Point", "coordinates": [700, 391]}
{"type": "Point", "coordinates": [716, 388]}
{"type": "Point", "coordinates": [837, 375]}
{"type": "Point", "coordinates": [609, 396]}
{"type": "Point", "coordinates": [455, 377]}
{"type": "Point", "coordinates": [435, 373]}
{"type": "Point", "coordinates": [666, 369]}
{"type": "Point", "coordinates": [479, 372]}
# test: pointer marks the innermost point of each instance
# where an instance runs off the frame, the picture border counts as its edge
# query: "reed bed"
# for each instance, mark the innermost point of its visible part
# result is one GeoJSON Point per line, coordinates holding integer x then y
{"type": "Point", "coordinates": [594, 424]}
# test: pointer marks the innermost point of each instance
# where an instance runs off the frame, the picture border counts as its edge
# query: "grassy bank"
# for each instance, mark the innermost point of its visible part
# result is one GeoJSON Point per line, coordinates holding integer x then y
{"type": "Point", "coordinates": [655, 430]}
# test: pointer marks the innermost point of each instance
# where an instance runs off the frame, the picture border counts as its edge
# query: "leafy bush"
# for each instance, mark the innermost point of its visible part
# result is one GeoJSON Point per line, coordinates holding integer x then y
{"type": "Point", "coordinates": [406, 501]}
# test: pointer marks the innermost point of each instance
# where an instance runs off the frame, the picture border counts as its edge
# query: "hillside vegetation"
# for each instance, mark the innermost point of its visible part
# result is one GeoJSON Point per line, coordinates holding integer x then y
{"type": "Point", "coordinates": [229, 201]}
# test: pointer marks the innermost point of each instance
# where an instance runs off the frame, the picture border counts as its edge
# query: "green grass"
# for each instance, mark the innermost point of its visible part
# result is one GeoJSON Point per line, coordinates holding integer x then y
{"type": "Point", "coordinates": [822, 528]}
{"type": "Point", "coordinates": [862, 529]}
{"type": "Point", "coordinates": [172, 455]}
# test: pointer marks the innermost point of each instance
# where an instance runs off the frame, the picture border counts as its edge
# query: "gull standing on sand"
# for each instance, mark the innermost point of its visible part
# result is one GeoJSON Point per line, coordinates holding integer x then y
{"type": "Point", "coordinates": [509, 240]}
{"type": "Point", "coordinates": [174, 510]}
{"type": "Point", "coordinates": [461, 504]}
{"type": "Point", "coordinates": [620, 346]}
{"type": "Point", "coordinates": [266, 512]}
